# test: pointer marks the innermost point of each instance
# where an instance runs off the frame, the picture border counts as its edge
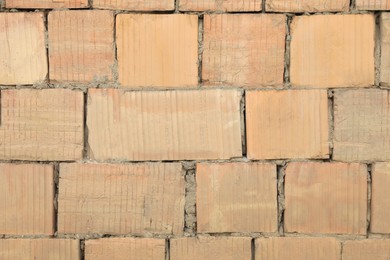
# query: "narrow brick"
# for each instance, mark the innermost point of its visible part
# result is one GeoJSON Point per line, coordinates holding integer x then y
{"type": "Point", "coordinates": [361, 125]}
{"type": "Point", "coordinates": [125, 248]}
{"type": "Point", "coordinates": [55, 249]}
{"type": "Point", "coordinates": [22, 48]}
{"type": "Point", "coordinates": [121, 198]}
{"type": "Point", "coordinates": [220, 5]}
{"type": "Point", "coordinates": [329, 198]}
{"type": "Point", "coordinates": [164, 125]}
{"type": "Point", "coordinates": [205, 248]}
{"type": "Point", "coordinates": [26, 199]}
{"type": "Point", "coordinates": [380, 198]}
{"type": "Point", "coordinates": [49, 4]}
{"type": "Point", "coordinates": [293, 248]}
{"type": "Point", "coordinates": [330, 51]}
{"type": "Point", "coordinates": [373, 4]}
{"type": "Point", "coordinates": [236, 197]}
{"type": "Point", "coordinates": [243, 49]}
{"type": "Point", "coordinates": [385, 48]}
{"type": "Point", "coordinates": [287, 124]}
{"type": "Point", "coordinates": [136, 5]}
{"type": "Point", "coordinates": [156, 50]}
{"type": "Point", "coordinates": [42, 125]}
{"type": "Point", "coordinates": [81, 45]}
{"type": "Point", "coordinates": [307, 6]}
{"type": "Point", "coordinates": [368, 249]}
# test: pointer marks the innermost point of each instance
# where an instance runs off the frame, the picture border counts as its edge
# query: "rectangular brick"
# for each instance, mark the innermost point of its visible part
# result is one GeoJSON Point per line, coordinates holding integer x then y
{"type": "Point", "coordinates": [287, 124]}
{"type": "Point", "coordinates": [380, 198]}
{"type": "Point", "coordinates": [53, 249]}
{"type": "Point", "coordinates": [81, 45]}
{"type": "Point", "coordinates": [125, 248]}
{"type": "Point", "coordinates": [361, 125]}
{"type": "Point", "coordinates": [26, 199]}
{"type": "Point", "coordinates": [156, 50]}
{"type": "Point", "coordinates": [42, 125]}
{"type": "Point", "coordinates": [50, 4]}
{"type": "Point", "coordinates": [22, 48]}
{"type": "Point", "coordinates": [121, 198]}
{"type": "Point", "coordinates": [205, 248]}
{"type": "Point", "coordinates": [368, 249]}
{"type": "Point", "coordinates": [307, 6]}
{"type": "Point", "coordinates": [236, 197]}
{"type": "Point", "coordinates": [164, 125]}
{"type": "Point", "coordinates": [136, 5]}
{"type": "Point", "coordinates": [220, 5]}
{"type": "Point", "coordinates": [385, 48]}
{"type": "Point", "coordinates": [328, 198]}
{"type": "Point", "coordinates": [293, 248]}
{"type": "Point", "coordinates": [330, 51]}
{"type": "Point", "coordinates": [243, 49]}
{"type": "Point", "coordinates": [373, 4]}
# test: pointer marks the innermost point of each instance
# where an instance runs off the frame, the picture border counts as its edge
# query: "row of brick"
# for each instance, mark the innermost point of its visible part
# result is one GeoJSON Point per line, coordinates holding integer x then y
{"type": "Point", "coordinates": [161, 51]}
{"type": "Point", "coordinates": [319, 198]}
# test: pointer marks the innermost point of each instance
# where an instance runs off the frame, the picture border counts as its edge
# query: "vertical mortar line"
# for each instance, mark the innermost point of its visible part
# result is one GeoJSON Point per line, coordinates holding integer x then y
{"type": "Point", "coordinates": [331, 122]}
{"type": "Point", "coordinates": [200, 48]}
{"type": "Point", "coordinates": [369, 190]}
{"type": "Point", "coordinates": [85, 128]}
{"type": "Point", "coordinates": [177, 6]}
{"type": "Point", "coordinates": [341, 249]}
{"type": "Point", "coordinates": [82, 249]}
{"type": "Point", "coordinates": [56, 168]}
{"type": "Point", "coordinates": [46, 24]}
{"type": "Point", "coordinates": [286, 76]}
{"type": "Point", "coordinates": [280, 195]}
{"type": "Point", "coordinates": [243, 125]}
{"type": "Point", "coordinates": [263, 6]}
{"type": "Point", "coordinates": [90, 4]}
{"type": "Point", "coordinates": [253, 249]}
{"type": "Point", "coordinates": [352, 5]}
{"type": "Point", "coordinates": [190, 198]}
{"type": "Point", "coordinates": [115, 74]}
{"type": "Point", "coordinates": [167, 249]}
{"type": "Point", "coordinates": [377, 49]}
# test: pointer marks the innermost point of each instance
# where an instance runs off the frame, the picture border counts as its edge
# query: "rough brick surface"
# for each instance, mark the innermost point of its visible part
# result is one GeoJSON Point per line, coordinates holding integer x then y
{"type": "Point", "coordinates": [164, 125]}
{"type": "Point", "coordinates": [243, 49]}
{"type": "Point", "coordinates": [287, 124]}
{"type": "Point", "coordinates": [307, 5]}
{"type": "Point", "coordinates": [236, 197]}
{"type": "Point", "coordinates": [216, 248]}
{"type": "Point", "coordinates": [333, 51]}
{"type": "Point", "coordinates": [46, 4]}
{"type": "Point", "coordinates": [372, 249]}
{"type": "Point", "coordinates": [380, 198]}
{"type": "Point", "coordinates": [361, 125]}
{"type": "Point", "coordinates": [26, 199]}
{"type": "Point", "coordinates": [41, 125]}
{"type": "Point", "coordinates": [125, 248]}
{"type": "Point", "coordinates": [53, 249]}
{"type": "Point", "coordinates": [136, 5]}
{"type": "Point", "coordinates": [157, 50]}
{"type": "Point", "coordinates": [22, 48]}
{"type": "Point", "coordinates": [121, 198]}
{"type": "Point", "coordinates": [373, 4]}
{"type": "Point", "coordinates": [220, 5]}
{"type": "Point", "coordinates": [81, 45]}
{"type": "Point", "coordinates": [326, 198]}
{"type": "Point", "coordinates": [385, 48]}
{"type": "Point", "coordinates": [294, 248]}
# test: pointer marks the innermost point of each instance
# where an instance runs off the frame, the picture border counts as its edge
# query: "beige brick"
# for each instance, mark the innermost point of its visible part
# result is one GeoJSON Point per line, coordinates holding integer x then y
{"type": "Point", "coordinates": [121, 198]}
{"type": "Point", "coordinates": [216, 248]}
{"type": "Point", "coordinates": [307, 5]}
{"type": "Point", "coordinates": [39, 249]}
{"type": "Point", "coordinates": [164, 125]}
{"type": "Point", "coordinates": [42, 125]}
{"type": "Point", "coordinates": [373, 4]}
{"type": "Point", "coordinates": [243, 49]}
{"type": "Point", "coordinates": [136, 5]}
{"type": "Point", "coordinates": [329, 51]}
{"type": "Point", "coordinates": [236, 197]}
{"type": "Point", "coordinates": [81, 45]}
{"type": "Point", "coordinates": [369, 249]}
{"type": "Point", "coordinates": [328, 198]}
{"type": "Point", "coordinates": [156, 50]}
{"type": "Point", "coordinates": [220, 5]}
{"type": "Point", "coordinates": [46, 4]}
{"type": "Point", "coordinates": [22, 48]}
{"type": "Point", "coordinates": [385, 48]}
{"type": "Point", "coordinates": [287, 124]}
{"type": "Point", "coordinates": [125, 248]}
{"type": "Point", "coordinates": [361, 125]}
{"type": "Point", "coordinates": [380, 200]}
{"type": "Point", "coordinates": [294, 248]}
{"type": "Point", "coordinates": [26, 199]}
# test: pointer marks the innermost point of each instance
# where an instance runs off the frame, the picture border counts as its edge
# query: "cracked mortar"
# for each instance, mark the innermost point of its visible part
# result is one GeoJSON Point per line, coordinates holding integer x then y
{"type": "Point", "coordinates": [190, 199]}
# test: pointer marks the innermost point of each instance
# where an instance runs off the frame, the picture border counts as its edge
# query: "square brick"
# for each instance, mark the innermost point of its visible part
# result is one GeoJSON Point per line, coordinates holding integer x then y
{"type": "Point", "coordinates": [368, 249]}
{"type": "Point", "coordinates": [329, 51]}
{"type": "Point", "coordinates": [373, 4]}
{"type": "Point", "coordinates": [157, 50]}
{"type": "Point", "coordinates": [380, 198]}
{"type": "Point", "coordinates": [46, 4]}
{"type": "Point", "coordinates": [287, 124]}
{"type": "Point", "coordinates": [243, 49]}
{"type": "Point", "coordinates": [385, 48]}
{"type": "Point", "coordinates": [307, 5]}
{"type": "Point", "coordinates": [136, 5]}
{"type": "Point", "coordinates": [236, 197]}
{"type": "Point", "coordinates": [218, 5]}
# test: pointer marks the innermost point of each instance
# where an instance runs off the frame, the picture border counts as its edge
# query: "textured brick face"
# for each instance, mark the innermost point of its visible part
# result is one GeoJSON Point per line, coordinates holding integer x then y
{"type": "Point", "coordinates": [380, 200]}
{"type": "Point", "coordinates": [46, 3]}
{"type": "Point", "coordinates": [243, 49]}
{"type": "Point", "coordinates": [385, 48]}
{"type": "Point", "coordinates": [373, 249]}
{"type": "Point", "coordinates": [287, 124]}
{"type": "Point", "coordinates": [220, 5]}
{"type": "Point", "coordinates": [307, 5]}
{"type": "Point", "coordinates": [332, 51]}
{"type": "Point", "coordinates": [136, 5]}
{"type": "Point", "coordinates": [373, 4]}
{"type": "Point", "coordinates": [236, 197]}
{"type": "Point", "coordinates": [326, 198]}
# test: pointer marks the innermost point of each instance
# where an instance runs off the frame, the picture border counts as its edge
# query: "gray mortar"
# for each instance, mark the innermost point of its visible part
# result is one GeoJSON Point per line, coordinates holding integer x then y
{"type": "Point", "coordinates": [369, 189]}
{"type": "Point", "coordinates": [200, 48]}
{"type": "Point", "coordinates": [190, 199]}
{"type": "Point", "coordinates": [281, 197]}
{"type": "Point", "coordinates": [331, 121]}
{"type": "Point", "coordinates": [377, 51]}
{"type": "Point", "coordinates": [286, 76]}
{"type": "Point", "coordinates": [243, 124]}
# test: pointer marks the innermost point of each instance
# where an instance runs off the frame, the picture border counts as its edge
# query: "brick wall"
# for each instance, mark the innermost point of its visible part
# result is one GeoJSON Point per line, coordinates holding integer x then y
{"type": "Point", "coordinates": [195, 129]}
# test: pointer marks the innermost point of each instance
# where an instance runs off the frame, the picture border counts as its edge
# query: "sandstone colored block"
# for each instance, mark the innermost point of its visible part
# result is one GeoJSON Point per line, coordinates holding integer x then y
{"type": "Point", "coordinates": [220, 5]}
{"type": "Point", "coordinates": [287, 124]}
{"type": "Point", "coordinates": [39, 249]}
{"type": "Point", "coordinates": [157, 50]}
{"type": "Point", "coordinates": [236, 197]}
{"type": "Point", "coordinates": [121, 198]}
{"type": "Point", "coordinates": [26, 199]}
{"type": "Point", "coordinates": [81, 45]}
{"type": "Point", "coordinates": [294, 248]}
{"type": "Point", "coordinates": [368, 249]}
{"type": "Point", "coordinates": [164, 125]}
{"type": "Point", "coordinates": [243, 49]}
{"type": "Point", "coordinates": [380, 198]}
{"type": "Point", "coordinates": [329, 51]}
{"type": "Point", "coordinates": [385, 48]}
{"type": "Point", "coordinates": [205, 248]}
{"type": "Point", "coordinates": [125, 248]}
{"type": "Point", "coordinates": [22, 48]}
{"type": "Point", "coordinates": [136, 5]}
{"type": "Point", "coordinates": [329, 198]}
{"type": "Point", "coordinates": [373, 4]}
{"type": "Point", "coordinates": [361, 125]}
{"type": "Point", "coordinates": [42, 125]}
{"type": "Point", "coordinates": [306, 6]}
{"type": "Point", "coordinates": [46, 4]}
